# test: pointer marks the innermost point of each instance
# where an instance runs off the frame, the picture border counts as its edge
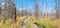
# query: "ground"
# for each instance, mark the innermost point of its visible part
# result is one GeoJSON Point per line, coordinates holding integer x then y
{"type": "Point", "coordinates": [31, 22]}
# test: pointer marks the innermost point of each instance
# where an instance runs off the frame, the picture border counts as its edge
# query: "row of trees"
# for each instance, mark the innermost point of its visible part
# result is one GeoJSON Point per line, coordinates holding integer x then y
{"type": "Point", "coordinates": [56, 13]}
{"type": "Point", "coordinates": [9, 10]}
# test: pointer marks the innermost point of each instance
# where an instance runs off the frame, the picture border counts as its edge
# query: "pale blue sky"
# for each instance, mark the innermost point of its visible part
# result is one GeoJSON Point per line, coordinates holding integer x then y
{"type": "Point", "coordinates": [31, 4]}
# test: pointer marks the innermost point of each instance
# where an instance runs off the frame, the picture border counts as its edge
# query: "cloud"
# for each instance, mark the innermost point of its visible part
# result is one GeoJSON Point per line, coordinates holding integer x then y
{"type": "Point", "coordinates": [2, 3]}
{"type": "Point", "coordinates": [20, 9]}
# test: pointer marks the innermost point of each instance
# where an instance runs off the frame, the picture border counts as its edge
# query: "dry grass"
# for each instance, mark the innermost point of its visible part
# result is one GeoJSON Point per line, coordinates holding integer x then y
{"type": "Point", "coordinates": [11, 24]}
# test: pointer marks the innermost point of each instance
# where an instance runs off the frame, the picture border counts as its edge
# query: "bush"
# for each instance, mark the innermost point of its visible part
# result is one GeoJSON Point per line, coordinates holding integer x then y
{"type": "Point", "coordinates": [44, 25]}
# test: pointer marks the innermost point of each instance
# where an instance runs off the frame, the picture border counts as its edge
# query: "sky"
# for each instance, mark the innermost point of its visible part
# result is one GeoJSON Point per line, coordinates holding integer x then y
{"type": "Point", "coordinates": [30, 4]}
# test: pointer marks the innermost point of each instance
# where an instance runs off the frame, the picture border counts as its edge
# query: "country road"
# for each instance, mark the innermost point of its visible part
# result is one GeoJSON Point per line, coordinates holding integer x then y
{"type": "Point", "coordinates": [24, 24]}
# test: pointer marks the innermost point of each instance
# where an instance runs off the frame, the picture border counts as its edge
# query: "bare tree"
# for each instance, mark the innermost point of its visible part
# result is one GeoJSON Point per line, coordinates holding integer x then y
{"type": "Point", "coordinates": [47, 8]}
{"type": "Point", "coordinates": [57, 8]}
{"type": "Point", "coordinates": [37, 9]}
{"type": "Point", "coordinates": [10, 10]}
{"type": "Point", "coordinates": [0, 9]}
